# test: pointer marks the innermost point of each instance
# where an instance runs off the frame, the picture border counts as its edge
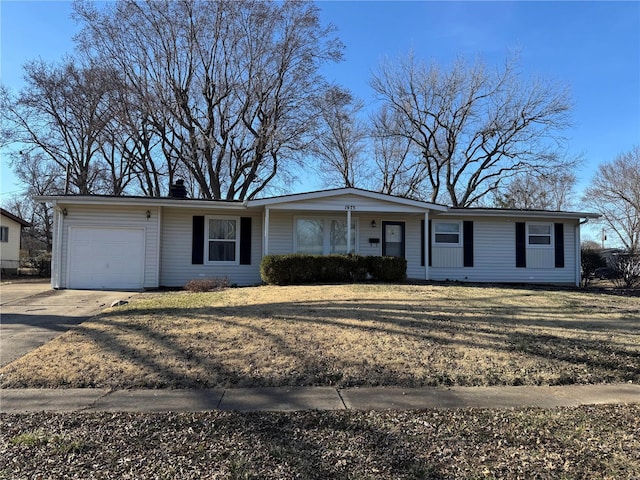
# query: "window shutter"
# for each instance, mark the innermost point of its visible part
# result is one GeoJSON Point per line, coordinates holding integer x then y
{"type": "Point", "coordinates": [245, 241]}
{"type": "Point", "coordinates": [429, 245]}
{"type": "Point", "coordinates": [467, 239]}
{"type": "Point", "coordinates": [197, 243]}
{"type": "Point", "coordinates": [521, 245]}
{"type": "Point", "coordinates": [559, 244]}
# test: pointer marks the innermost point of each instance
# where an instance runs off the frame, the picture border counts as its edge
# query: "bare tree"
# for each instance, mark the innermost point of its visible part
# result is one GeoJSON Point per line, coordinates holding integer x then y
{"type": "Point", "coordinates": [473, 128]}
{"type": "Point", "coordinates": [42, 177]}
{"type": "Point", "coordinates": [227, 86]}
{"type": "Point", "coordinates": [340, 141]}
{"type": "Point", "coordinates": [396, 160]}
{"type": "Point", "coordinates": [63, 113]}
{"type": "Point", "coordinates": [615, 193]}
{"type": "Point", "coordinates": [541, 192]}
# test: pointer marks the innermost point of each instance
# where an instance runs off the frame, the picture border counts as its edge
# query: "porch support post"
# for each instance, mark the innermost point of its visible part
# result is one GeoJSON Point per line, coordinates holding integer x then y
{"type": "Point", "coordinates": [578, 256]}
{"type": "Point", "coordinates": [426, 244]}
{"type": "Point", "coordinates": [265, 227]}
{"type": "Point", "coordinates": [348, 232]}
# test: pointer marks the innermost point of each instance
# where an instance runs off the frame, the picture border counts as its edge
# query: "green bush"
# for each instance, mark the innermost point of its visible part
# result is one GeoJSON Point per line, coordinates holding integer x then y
{"type": "Point", "coordinates": [388, 269]}
{"type": "Point", "coordinates": [298, 269]}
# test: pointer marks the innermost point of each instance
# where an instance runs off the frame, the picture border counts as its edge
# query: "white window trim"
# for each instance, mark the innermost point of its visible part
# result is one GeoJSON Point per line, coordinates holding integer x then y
{"type": "Point", "coordinates": [6, 237]}
{"type": "Point", "coordinates": [207, 240]}
{"type": "Point", "coordinates": [434, 243]}
{"type": "Point", "coordinates": [551, 233]}
{"type": "Point", "coordinates": [326, 231]}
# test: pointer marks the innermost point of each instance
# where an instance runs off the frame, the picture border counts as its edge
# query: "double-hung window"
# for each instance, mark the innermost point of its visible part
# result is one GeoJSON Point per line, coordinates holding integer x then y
{"type": "Point", "coordinates": [539, 234]}
{"type": "Point", "coordinates": [323, 236]}
{"type": "Point", "coordinates": [223, 240]}
{"type": "Point", "coordinates": [447, 234]}
{"type": "Point", "coordinates": [4, 234]}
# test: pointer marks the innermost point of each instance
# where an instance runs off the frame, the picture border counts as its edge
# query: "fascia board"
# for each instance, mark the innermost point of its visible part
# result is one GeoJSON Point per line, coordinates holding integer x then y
{"type": "Point", "coordinates": [517, 214]}
{"type": "Point", "coordinates": [299, 197]}
{"type": "Point", "coordinates": [135, 201]}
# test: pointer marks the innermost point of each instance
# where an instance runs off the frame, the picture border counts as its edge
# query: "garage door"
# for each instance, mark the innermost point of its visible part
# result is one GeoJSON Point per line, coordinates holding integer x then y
{"type": "Point", "coordinates": [106, 258]}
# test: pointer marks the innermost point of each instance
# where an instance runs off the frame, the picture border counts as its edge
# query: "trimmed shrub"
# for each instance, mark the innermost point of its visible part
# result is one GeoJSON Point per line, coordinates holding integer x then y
{"type": "Point", "coordinates": [296, 269]}
{"type": "Point", "coordinates": [388, 269]}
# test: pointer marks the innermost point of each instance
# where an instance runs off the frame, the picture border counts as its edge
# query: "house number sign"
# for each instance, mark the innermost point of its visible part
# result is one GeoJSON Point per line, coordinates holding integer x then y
{"type": "Point", "coordinates": [349, 207]}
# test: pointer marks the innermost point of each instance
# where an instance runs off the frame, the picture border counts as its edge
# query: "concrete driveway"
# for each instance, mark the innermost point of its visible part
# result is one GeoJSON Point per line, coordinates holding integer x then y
{"type": "Point", "coordinates": [31, 314]}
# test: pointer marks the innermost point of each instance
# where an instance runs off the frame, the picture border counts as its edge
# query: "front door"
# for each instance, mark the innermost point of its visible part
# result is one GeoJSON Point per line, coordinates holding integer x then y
{"type": "Point", "coordinates": [393, 239]}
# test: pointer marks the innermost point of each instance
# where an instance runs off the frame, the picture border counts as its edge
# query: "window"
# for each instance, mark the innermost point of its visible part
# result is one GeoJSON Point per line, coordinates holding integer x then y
{"type": "Point", "coordinates": [539, 234]}
{"type": "Point", "coordinates": [446, 233]}
{"type": "Point", "coordinates": [222, 239]}
{"type": "Point", "coordinates": [4, 234]}
{"type": "Point", "coordinates": [323, 236]}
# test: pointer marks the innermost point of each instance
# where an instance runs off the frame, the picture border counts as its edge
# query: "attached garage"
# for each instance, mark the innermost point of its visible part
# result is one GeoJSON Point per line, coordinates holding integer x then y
{"type": "Point", "coordinates": [106, 258]}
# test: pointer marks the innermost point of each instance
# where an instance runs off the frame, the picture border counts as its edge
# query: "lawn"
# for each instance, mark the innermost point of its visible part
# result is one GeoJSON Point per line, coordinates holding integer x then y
{"type": "Point", "coordinates": [341, 335]}
{"type": "Point", "coordinates": [345, 336]}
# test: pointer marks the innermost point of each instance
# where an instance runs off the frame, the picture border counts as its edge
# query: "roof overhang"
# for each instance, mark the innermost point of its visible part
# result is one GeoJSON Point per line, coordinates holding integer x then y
{"type": "Point", "coordinates": [140, 201]}
{"type": "Point", "coordinates": [516, 213]}
{"type": "Point", "coordinates": [289, 201]}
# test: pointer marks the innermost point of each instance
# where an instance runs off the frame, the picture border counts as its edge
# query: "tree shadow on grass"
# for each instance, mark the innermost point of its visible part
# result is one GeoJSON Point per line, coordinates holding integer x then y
{"type": "Point", "coordinates": [169, 358]}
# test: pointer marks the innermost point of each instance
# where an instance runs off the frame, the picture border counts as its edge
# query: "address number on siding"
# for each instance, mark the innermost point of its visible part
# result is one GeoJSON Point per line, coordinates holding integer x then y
{"type": "Point", "coordinates": [349, 207]}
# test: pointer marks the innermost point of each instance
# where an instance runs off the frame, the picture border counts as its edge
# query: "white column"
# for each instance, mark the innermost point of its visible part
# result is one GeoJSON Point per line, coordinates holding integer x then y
{"type": "Point", "coordinates": [426, 245]}
{"type": "Point", "coordinates": [265, 227]}
{"type": "Point", "coordinates": [348, 232]}
{"type": "Point", "coordinates": [578, 255]}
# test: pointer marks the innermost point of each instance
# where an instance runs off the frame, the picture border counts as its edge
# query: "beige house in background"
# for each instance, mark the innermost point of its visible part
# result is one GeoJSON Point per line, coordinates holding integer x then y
{"type": "Point", "coordinates": [10, 229]}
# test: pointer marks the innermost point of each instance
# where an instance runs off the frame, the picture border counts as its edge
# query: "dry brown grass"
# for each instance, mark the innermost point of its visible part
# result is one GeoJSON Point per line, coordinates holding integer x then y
{"type": "Point", "coordinates": [345, 335]}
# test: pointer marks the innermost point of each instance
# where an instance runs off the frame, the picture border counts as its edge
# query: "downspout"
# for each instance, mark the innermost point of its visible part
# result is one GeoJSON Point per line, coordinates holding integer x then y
{"type": "Point", "coordinates": [159, 247]}
{"type": "Point", "coordinates": [426, 245]}
{"type": "Point", "coordinates": [56, 258]}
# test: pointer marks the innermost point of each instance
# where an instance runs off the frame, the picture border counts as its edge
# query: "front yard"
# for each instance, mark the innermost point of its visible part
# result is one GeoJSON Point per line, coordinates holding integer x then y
{"type": "Point", "coordinates": [341, 335]}
{"type": "Point", "coordinates": [345, 335]}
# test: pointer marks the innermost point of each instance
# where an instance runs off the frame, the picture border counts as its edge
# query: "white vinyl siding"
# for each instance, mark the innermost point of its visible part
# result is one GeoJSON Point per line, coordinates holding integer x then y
{"type": "Point", "coordinates": [176, 268]}
{"type": "Point", "coordinates": [494, 257]}
{"type": "Point", "coordinates": [111, 217]}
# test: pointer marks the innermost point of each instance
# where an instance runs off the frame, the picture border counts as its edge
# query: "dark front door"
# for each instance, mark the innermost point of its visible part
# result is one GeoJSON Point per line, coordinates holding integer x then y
{"type": "Point", "coordinates": [393, 239]}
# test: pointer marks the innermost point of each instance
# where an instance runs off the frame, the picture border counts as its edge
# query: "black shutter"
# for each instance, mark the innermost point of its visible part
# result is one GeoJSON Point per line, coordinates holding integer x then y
{"type": "Point", "coordinates": [197, 242]}
{"type": "Point", "coordinates": [521, 245]}
{"type": "Point", "coordinates": [467, 239]}
{"type": "Point", "coordinates": [429, 244]}
{"type": "Point", "coordinates": [422, 244]}
{"type": "Point", "coordinates": [245, 241]}
{"type": "Point", "coordinates": [559, 244]}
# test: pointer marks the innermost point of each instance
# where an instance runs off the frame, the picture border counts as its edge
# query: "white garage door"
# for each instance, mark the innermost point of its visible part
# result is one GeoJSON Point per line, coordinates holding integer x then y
{"type": "Point", "coordinates": [106, 258]}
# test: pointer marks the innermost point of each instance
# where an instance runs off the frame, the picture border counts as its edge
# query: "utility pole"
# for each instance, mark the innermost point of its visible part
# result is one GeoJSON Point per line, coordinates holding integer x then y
{"type": "Point", "coordinates": [603, 237]}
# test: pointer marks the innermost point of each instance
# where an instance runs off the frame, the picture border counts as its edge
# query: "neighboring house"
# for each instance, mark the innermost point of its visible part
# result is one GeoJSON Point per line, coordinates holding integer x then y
{"type": "Point", "coordinates": [140, 242]}
{"type": "Point", "coordinates": [10, 233]}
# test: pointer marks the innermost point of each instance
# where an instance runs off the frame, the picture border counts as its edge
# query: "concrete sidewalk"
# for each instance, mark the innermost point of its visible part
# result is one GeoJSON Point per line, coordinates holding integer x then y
{"type": "Point", "coordinates": [310, 398]}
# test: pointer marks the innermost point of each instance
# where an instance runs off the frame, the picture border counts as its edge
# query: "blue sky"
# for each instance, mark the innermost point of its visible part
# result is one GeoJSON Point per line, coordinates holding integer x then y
{"type": "Point", "coordinates": [593, 47]}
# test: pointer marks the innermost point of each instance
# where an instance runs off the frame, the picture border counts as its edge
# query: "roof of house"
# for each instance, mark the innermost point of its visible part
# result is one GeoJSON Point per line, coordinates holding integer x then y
{"type": "Point", "coordinates": [315, 195]}
{"type": "Point", "coordinates": [15, 218]}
